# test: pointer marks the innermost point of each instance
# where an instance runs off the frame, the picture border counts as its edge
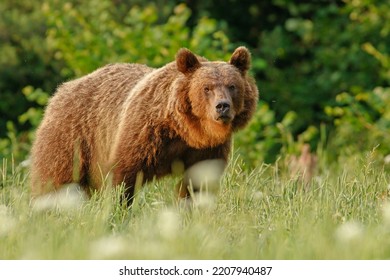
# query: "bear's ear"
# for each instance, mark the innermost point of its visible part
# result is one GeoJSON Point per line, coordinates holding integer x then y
{"type": "Point", "coordinates": [241, 58]}
{"type": "Point", "coordinates": [186, 61]}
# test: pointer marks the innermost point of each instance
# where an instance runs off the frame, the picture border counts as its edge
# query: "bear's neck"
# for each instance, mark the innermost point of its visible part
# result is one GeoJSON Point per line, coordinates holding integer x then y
{"type": "Point", "coordinates": [201, 134]}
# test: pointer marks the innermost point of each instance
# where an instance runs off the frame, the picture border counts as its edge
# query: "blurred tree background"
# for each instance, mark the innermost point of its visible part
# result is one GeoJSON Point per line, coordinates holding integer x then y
{"type": "Point", "coordinates": [322, 67]}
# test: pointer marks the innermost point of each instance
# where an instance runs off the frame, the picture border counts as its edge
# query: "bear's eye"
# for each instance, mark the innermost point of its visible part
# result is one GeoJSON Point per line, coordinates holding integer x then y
{"type": "Point", "coordinates": [206, 89]}
{"type": "Point", "coordinates": [232, 87]}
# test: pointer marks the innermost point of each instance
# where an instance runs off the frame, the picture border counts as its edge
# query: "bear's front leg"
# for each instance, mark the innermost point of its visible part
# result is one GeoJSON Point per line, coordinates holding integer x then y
{"type": "Point", "coordinates": [130, 178]}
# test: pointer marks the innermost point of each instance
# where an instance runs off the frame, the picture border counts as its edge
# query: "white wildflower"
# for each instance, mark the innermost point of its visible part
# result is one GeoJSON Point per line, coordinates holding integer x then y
{"type": "Point", "coordinates": [386, 213]}
{"type": "Point", "coordinates": [70, 197]}
{"type": "Point", "coordinates": [109, 247]}
{"type": "Point", "coordinates": [206, 175]}
{"type": "Point", "coordinates": [168, 223]}
{"type": "Point", "coordinates": [26, 163]}
{"type": "Point", "coordinates": [349, 231]}
{"type": "Point", "coordinates": [7, 221]}
{"type": "Point", "coordinates": [204, 201]}
{"type": "Point", "coordinates": [258, 196]}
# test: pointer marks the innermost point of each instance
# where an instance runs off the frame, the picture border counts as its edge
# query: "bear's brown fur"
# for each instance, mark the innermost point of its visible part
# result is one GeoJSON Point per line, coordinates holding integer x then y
{"type": "Point", "coordinates": [124, 119]}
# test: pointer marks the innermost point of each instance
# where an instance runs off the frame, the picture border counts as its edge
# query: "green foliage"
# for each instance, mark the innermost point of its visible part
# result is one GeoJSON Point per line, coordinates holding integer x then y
{"type": "Point", "coordinates": [362, 116]}
{"type": "Point", "coordinates": [17, 144]}
{"type": "Point", "coordinates": [25, 58]}
{"type": "Point", "coordinates": [136, 36]}
{"type": "Point", "coordinates": [318, 53]}
{"type": "Point", "coordinates": [265, 139]}
{"type": "Point", "coordinates": [362, 119]}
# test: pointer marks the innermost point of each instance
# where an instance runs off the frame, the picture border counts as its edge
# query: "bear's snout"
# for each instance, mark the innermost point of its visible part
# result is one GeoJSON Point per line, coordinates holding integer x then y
{"type": "Point", "coordinates": [223, 106]}
{"type": "Point", "coordinates": [223, 111]}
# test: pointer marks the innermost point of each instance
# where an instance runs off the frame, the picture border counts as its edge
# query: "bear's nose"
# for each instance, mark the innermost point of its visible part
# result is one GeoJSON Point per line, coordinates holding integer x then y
{"type": "Point", "coordinates": [223, 107]}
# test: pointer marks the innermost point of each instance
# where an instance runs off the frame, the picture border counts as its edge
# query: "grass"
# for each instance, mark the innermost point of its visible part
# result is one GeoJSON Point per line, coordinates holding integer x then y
{"type": "Point", "coordinates": [344, 213]}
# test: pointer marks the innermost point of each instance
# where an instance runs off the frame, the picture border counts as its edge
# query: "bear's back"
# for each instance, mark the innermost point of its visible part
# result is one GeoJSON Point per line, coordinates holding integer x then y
{"type": "Point", "coordinates": [82, 114]}
{"type": "Point", "coordinates": [107, 86]}
{"type": "Point", "coordinates": [95, 99]}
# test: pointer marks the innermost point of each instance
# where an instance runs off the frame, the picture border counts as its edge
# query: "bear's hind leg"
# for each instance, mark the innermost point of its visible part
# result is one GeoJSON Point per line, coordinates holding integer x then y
{"type": "Point", "coordinates": [55, 162]}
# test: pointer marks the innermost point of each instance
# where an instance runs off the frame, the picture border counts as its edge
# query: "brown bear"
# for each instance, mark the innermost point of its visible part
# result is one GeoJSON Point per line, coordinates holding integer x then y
{"type": "Point", "coordinates": [128, 119]}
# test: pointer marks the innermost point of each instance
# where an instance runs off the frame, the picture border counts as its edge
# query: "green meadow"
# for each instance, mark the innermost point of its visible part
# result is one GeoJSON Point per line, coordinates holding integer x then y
{"type": "Point", "coordinates": [262, 213]}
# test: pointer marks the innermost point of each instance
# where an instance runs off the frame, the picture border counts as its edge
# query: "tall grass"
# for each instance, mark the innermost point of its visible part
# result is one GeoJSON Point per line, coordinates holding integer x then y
{"type": "Point", "coordinates": [343, 213]}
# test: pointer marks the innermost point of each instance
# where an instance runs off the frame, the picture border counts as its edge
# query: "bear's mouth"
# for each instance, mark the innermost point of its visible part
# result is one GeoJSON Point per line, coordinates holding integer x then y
{"type": "Point", "coordinates": [224, 118]}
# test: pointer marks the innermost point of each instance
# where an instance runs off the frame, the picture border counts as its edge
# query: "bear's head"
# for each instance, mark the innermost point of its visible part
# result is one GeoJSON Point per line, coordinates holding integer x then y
{"type": "Point", "coordinates": [220, 95]}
